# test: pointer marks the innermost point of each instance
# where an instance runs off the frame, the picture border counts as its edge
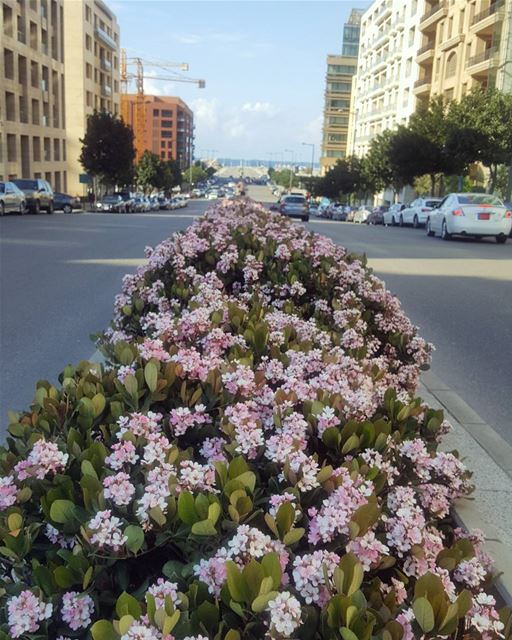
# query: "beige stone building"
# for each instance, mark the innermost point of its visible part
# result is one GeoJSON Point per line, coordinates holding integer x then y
{"type": "Point", "coordinates": [59, 60]}
{"type": "Point", "coordinates": [465, 44]}
{"type": "Point", "coordinates": [32, 101]}
{"type": "Point", "coordinates": [91, 67]}
{"type": "Point", "coordinates": [338, 89]}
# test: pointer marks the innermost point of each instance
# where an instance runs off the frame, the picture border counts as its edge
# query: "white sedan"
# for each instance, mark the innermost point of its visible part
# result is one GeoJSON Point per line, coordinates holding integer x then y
{"type": "Point", "coordinates": [470, 214]}
{"type": "Point", "coordinates": [417, 212]}
{"type": "Point", "coordinates": [361, 215]}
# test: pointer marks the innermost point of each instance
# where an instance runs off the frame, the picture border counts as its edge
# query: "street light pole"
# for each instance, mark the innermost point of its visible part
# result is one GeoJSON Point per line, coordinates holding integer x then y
{"type": "Point", "coordinates": [291, 170]}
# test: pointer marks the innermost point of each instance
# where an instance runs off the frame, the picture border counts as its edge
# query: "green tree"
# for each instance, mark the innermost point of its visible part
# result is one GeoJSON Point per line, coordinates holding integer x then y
{"type": "Point", "coordinates": [346, 177]}
{"type": "Point", "coordinates": [173, 176]}
{"type": "Point", "coordinates": [488, 112]}
{"type": "Point", "coordinates": [378, 168]}
{"type": "Point", "coordinates": [197, 172]}
{"type": "Point", "coordinates": [149, 172]}
{"type": "Point", "coordinates": [107, 149]}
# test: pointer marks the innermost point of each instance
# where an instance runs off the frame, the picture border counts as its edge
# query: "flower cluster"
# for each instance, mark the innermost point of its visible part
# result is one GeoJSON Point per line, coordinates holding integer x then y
{"type": "Point", "coordinates": [252, 449]}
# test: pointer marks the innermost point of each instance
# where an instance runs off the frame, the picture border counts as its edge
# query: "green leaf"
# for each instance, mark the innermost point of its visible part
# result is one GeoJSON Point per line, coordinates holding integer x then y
{"type": "Point", "coordinates": [62, 511]}
{"type": "Point", "coordinates": [252, 574]}
{"type": "Point", "coordinates": [131, 385]}
{"type": "Point", "coordinates": [103, 630]}
{"type": "Point", "coordinates": [260, 603]}
{"type": "Point", "coordinates": [186, 508]}
{"type": "Point", "coordinates": [424, 614]}
{"type": "Point", "coordinates": [272, 567]}
{"type": "Point", "coordinates": [214, 512]}
{"type": "Point", "coordinates": [63, 577]}
{"type": "Point", "coordinates": [346, 634]}
{"type": "Point", "coordinates": [285, 518]}
{"type": "Point", "coordinates": [128, 605]}
{"type": "Point", "coordinates": [293, 536]}
{"type": "Point", "coordinates": [204, 528]}
{"type": "Point", "coordinates": [151, 375]}
{"type": "Point", "coordinates": [135, 535]}
{"type": "Point", "coordinates": [235, 582]}
{"type": "Point", "coordinates": [98, 402]}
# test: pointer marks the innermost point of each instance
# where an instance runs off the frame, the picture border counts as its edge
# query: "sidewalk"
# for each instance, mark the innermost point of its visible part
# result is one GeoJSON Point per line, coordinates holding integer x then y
{"type": "Point", "coordinates": [489, 457]}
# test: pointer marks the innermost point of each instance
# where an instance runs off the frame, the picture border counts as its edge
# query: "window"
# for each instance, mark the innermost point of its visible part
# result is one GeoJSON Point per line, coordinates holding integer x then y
{"type": "Point", "coordinates": [35, 111]}
{"type": "Point", "coordinates": [88, 98]}
{"type": "Point", "coordinates": [339, 104]}
{"type": "Point", "coordinates": [47, 150]}
{"type": "Point", "coordinates": [166, 113]}
{"type": "Point", "coordinates": [88, 14]}
{"type": "Point", "coordinates": [339, 120]}
{"type": "Point", "coordinates": [11, 147]}
{"type": "Point", "coordinates": [9, 64]}
{"type": "Point", "coordinates": [10, 107]}
{"type": "Point", "coordinates": [341, 68]}
{"type": "Point", "coordinates": [156, 113]}
{"type": "Point", "coordinates": [36, 146]}
{"type": "Point", "coordinates": [344, 87]}
{"type": "Point", "coordinates": [451, 65]}
{"type": "Point", "coordinates": [166, 124]}
{"type": "Point", "coordinates": [162, 144]}
{"type": "Point", "coordinates": [88, 42]}
{"type": "Point", "coordinates": [88, 70]}
{"type": "Point", "coordinates": [56, 150]}
{"type": "Point", "coordinates": [166, 134]}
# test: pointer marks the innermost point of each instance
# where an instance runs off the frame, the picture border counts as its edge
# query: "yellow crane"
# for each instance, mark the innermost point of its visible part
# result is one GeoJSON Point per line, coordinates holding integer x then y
{"type": "Point", "coordinates": [139, 128]}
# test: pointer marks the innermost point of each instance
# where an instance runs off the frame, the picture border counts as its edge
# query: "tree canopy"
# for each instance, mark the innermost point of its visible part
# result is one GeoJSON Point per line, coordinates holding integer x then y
{"type": "Point", "coordinates": [107, 149]}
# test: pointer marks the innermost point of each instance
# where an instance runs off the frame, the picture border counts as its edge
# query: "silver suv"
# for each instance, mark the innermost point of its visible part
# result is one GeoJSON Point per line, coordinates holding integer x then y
{"type": "Point", "coordinates": [295, 206]}
{"type": "Point", "coordinates": [38, 194]}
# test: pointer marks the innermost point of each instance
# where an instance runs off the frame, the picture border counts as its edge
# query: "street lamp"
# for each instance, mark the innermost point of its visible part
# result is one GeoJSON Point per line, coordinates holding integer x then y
{"type": "Point", "coordinates": [291, 169]}
{"type": "Point", "coordinates": [310, 144]}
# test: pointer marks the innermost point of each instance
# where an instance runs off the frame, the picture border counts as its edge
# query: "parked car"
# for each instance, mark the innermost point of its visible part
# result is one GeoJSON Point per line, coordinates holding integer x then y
{"type": "Point", "coordinates": [313, 209]}
{"type": "Point", "coordinates": [12, 199]}
{"type": "Point", "coordinates": [154, 204]}
{"type": "Point", "coordinates": [163, 202]}
{"type": "Point", "coordinates": [212, 194]}
{"type": "Point", "coordinates": [111, 204]}
{"type": "Point", "coordinates": [351, 215]}
{"type": "Point", "coordinates": [361, 215]}
{"type": "Point", "coordinates": [128, 199]}
{"type": "Point", "coordinates": [392, 215]}
{"type": "Point", "coordinates": [377, 215]}
{"type": "Point", "coordinates": [470, 214]}
{"type": "Point", "coordinates": [38, 194]}
{"type": "Point", "coordinates": [417, 212]}
{"type": "Point", "coordinates": [66, 203]}
{"type": "Point", "coordinates": [339, 213]}
{"type": "Point", "coordinates": [294, 207]}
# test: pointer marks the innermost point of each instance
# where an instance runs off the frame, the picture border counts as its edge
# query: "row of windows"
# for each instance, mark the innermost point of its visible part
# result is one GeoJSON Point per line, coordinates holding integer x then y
{"type": "Point", "coordinates": [339, 87]}
{"type": "Point", "coordinates": [30, 111]}
{"type": "Point", "coordinates": [34, 148]}
{"type": "Point", "coordinates": [341, 68]}
{"type": "Point", "coordinates": [165, 113]}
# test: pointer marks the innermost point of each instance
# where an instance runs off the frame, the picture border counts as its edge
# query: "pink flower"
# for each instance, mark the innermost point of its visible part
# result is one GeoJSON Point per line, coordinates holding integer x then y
{"type": "Point", "coordinates": [368, 550]}
{"type": "Point", "coordinates": [106, 531]}
{"type": "Point", "coordinates": [163, 589]}
{"type": "Point", "coordinates": [77, 610]}
{"type": "Point", "coordinates": [25, 612]}
{"type": "Point", "coordinates": [122, 453]}
{"type": "Point", "coordinates": [8, 492]}
{"type": "Point", "coordinates": [43, 459]}
{"type": "Point", "coordinates": [119, 489]}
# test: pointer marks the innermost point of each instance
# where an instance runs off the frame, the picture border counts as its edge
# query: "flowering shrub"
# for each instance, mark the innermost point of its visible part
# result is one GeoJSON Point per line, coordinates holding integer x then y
{"type": "Point", "coordinates": [251, 462]}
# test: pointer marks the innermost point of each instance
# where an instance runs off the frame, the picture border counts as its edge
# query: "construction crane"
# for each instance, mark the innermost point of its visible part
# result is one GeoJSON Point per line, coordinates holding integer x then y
{"type": "Point", "coordinates": [139, 128]}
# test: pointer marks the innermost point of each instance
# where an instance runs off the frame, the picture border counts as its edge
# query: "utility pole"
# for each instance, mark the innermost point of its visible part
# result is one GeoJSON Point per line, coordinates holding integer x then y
{"type": "Point", "coordinates": [291, 170]}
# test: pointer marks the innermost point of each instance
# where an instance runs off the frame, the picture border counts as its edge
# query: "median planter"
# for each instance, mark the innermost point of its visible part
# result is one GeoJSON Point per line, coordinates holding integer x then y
{"type": "Point", "coordinates": [251, 461]}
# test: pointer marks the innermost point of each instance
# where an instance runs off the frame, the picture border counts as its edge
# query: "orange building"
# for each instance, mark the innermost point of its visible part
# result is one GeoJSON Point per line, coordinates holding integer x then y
{"type": "Point", "coordinates": [169, 126]}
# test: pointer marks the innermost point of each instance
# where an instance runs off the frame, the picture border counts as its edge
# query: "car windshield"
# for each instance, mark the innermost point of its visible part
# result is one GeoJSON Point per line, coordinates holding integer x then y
{"type": "Point", "coordinates": [294, 200]}
{"type": "Point", "coordinates": [110, 199]}
{"type": "Point", "coordinates": [27, 184]}
{"type": "Point", "coordinates": [432, 203]}
{"type": "Point", "coordinates": [2, 187]}
{"type": "Point", "coordinates": [479, 198]}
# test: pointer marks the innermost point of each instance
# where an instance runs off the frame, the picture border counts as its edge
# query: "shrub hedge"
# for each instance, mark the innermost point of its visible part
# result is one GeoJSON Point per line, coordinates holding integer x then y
{"type": "Point", "coordinates": [251, 461]}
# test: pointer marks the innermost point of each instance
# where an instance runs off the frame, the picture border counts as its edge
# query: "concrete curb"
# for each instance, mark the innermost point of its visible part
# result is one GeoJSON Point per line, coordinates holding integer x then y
{"type": "Point", "coordinates": [489, 457]}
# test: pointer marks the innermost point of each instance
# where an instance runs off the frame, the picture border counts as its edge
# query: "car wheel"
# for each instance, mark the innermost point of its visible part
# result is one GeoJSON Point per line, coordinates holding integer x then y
{"type": "Point", "coordinates": [501, 239]}
{"type": "Point", "coordinates": [2, 209]}
{"type": "Point", "coordinates": [305, 219]}
{"type": "Point", "coordinates": [429, 228]}
{"type": "Point", "coordinates": [37, 207]}
{"type": "Point", "coordinates": [67, 208]}
{"type": "Point", "coordinates": [50, 209]}
{"type": "Point", "coordinates": [393, 221]}
{"type": "Point", "coordinates": [401, 221]}
{"type": "Point", "coordinates": [415, 222]}
{"type": "Point", "coordinates": [22, 209]}
{"type": "Point", "coordinates": [444, 232]}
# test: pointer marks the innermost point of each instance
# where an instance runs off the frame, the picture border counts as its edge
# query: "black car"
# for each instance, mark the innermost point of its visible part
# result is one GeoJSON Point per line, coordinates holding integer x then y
{"type": "Point", "coordinates": [66, 203]}
{"type": "Point", "coordinates": [38, 194]}
{"type": "Point", "coordinates": [111, 204]}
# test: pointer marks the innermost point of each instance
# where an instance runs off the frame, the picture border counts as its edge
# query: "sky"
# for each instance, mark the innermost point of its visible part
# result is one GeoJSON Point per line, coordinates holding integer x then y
{"type": "Point", "coordinates": [263, 62]}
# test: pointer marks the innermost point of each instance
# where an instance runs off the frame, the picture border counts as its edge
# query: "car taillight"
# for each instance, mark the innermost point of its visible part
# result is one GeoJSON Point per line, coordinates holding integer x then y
{"type": "Point", "coordinates": [458, 212]}
{"type": "Point", "coordinates": [508, 214]}
{"type": "Point", "coordinates": [424, 209]}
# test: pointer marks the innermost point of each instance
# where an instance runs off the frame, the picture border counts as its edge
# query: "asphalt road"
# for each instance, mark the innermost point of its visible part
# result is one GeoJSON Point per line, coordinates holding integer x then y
{"type": "Point", "coordinates": [60, 275]}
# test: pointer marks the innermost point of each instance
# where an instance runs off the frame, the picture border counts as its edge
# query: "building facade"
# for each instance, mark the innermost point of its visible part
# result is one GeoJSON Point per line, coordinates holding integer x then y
{"type": "Point", "coordinates": [387, 70]}
{"type": "Point", "coordinates": [340, 72]}
{"type": "Point", "coordinates": [465, 45]}
{"type": "Point", "coordinates": [91, 66]}
{"type": "Point", "coordinates": [32, 98]}
{"type": "Point", "coordinates": [169, 126]}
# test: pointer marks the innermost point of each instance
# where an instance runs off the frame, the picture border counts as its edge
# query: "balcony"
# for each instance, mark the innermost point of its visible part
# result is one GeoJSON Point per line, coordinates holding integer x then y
{"type": "Point", "coordinates": [106, 65]}
{"type": "Point", "coordinates": [426, 53]}
{"type": "Point", "coordinates": [102, 35]}
{"type": "Point", "coordinates": [106, 90]}
{"type": "Point", "coordinates": [481, 63]}
{"type": "Point", "coordinates": [484, 23]}
{"type": "Point", "coordinates": [423, 85]}
{"type": "Point", "coordinates": [385, 12]}
{"type": "Point", "coordinates": [430, 18]}
{"type": "Point", "coordinates": [452, 42]}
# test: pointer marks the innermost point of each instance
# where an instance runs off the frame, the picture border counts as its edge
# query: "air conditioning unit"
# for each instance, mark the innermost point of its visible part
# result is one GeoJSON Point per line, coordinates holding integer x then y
{"type": "Point", "coordinates": [45, 121]}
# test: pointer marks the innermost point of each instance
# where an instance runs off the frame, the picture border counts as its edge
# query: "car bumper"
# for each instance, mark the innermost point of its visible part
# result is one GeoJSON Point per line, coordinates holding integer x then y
{"type": "Point", "coordinates": [295, 214]}
{"type": "Point", "coordinates": [459, 225]}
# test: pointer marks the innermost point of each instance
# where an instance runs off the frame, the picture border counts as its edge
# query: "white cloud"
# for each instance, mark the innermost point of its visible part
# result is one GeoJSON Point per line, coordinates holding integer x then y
{"type": "Point", "coordinates": [188, 38]}
{"type": "Point", "coordinates": [158, 87]}
{"type": "Point", "coordinates": [206, 115]}
{"type": "Point", "coordinates": [264, 108]}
